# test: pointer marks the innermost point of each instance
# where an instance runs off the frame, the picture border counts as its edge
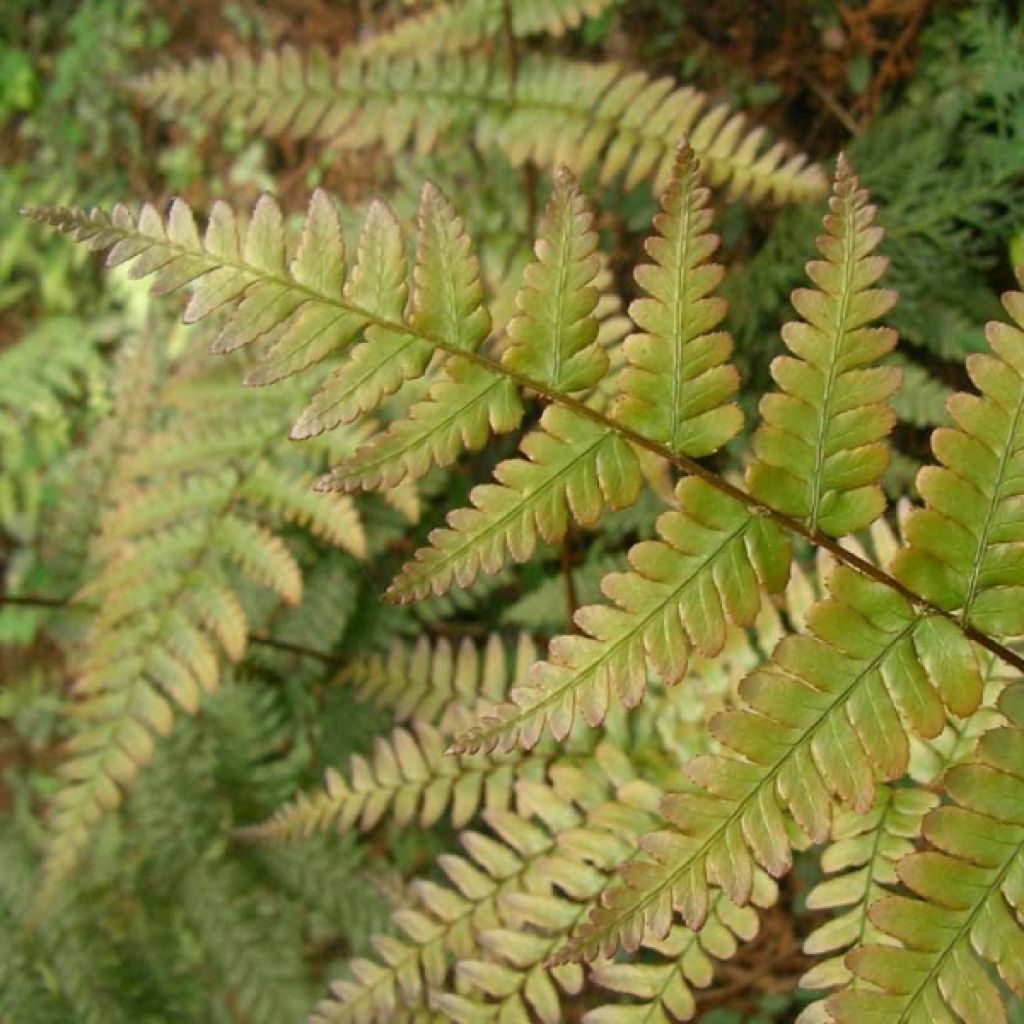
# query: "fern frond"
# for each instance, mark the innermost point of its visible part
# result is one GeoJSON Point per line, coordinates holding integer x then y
{"type": "Point", "coordinates": [465, 406]}
{"type": "Point", "coordinates": [246, 945]}
{"type": "Point", "coordinates": [705, 570]}
{"type": "Point", "coordinates": [573, 467]}
{"type": "Point", "coordinates": [553, 332]}
{"type": "Point", "coordinates": [289, 498]}
{"type": "Point", "coordinates": [965, 549]}
{"type": "Point", "coordinates": [409, 778]}
{"type": "Point", "coordinates": [820, 450]}
{"type": "Point", "coordinates": [433, 683]}
{"type": "Point", "coordinates": [862, 861]}
{"type": "Point", "coordinates": [826, 718]}
{"type": "Point", "coordinates": [467, 24]}
{"type": "Point", "coordinates": [527, 877]}
{"type": "Point", "coordinates": [966, 905]}
{"type": "Point", "coordinates": [664, 990]}
{"type": "Point", "coordinates": [168, 604]}
{"type": "Point", "coordinates": [560, 111]}
{"type": "Point", "coordinates": [444, 920]}
{"type": "Point", "coordinates": [679, 386]}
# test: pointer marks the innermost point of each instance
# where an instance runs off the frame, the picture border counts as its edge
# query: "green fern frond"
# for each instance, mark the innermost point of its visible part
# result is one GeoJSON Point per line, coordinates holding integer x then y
{"type": "Point", "coordinates": [527, 877]}
{"type": "Point", "coordinates": [559, 112]}
{"type": "Point", "coordinates": [821, 450]}
{"type": "Point", "coordinates": [862, 861]}
{"type": "Point", "coordinates": [679, 386]}
{"type": "Point", "coordinates": [467, 24]}
{"type": "Point", "coordinates": [443, 921]}
{"type": "Point", "coordinates": [826, 718]}
{"type": "Point", "coordinates": [573, 467]}
{"type": "Point", "coordinates": [966, 904]}
{"type": "Point", "coordinates": [706, 569]}
{"type": "Point", "coordinates": [553, 333]}
{"type": "Point", "coordinates": [664, 990]}
{"type": "Point", "coordinates": [466, 405]}
{"type": "Point", "coordinates": [408, 778]}
{"type": "Point", "coordinates": [965, 549]}
{"type": "Point", "coordinates": [253, 949]}
{"type": "Point", "coordinates": [434, 683]}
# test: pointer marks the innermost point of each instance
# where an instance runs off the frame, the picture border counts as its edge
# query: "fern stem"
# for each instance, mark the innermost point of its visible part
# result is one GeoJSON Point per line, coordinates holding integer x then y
{"type": "Point", "coordinates": [290, 648]}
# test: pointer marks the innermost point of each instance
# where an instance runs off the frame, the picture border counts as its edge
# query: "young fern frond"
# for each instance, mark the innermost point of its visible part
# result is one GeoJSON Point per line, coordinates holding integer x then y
{"type": "Point", "coordinates": [826, 718]}
{"type": "Point", "coordinates": [820, 449]}
{"type": "Point", "coordinates": [467, 24]}
{"type": "Point", "coordinates": [966, 905]}
{"type": "Point", "coordinates": [559, 111]}
{"type": "Point", "coordinates": [861, 861]}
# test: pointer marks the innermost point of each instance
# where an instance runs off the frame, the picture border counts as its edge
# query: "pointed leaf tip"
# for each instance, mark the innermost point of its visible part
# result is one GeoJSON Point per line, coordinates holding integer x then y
{"type": "Point", "coordinates": [564, 178]}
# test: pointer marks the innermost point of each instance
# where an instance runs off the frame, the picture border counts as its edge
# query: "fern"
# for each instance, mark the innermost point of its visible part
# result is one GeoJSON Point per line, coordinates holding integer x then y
{"type": "Point", "coordinates": [862, 859]}
{"type": "Point", "coordinates": [455, 26]}
{"type": "Point", "coordinates": [971, 498]}
{"type": "Point", "coordinates": [432, 682]}
{"type": "Point", "coordinates": [887, 657]}
{"type": "Point", "coordinates": [167, 604]}
{"type": "Point", "coordinates": [559, 111]}
{"type": "Point", "coordinates": [681, 592]}
{"type": "Point", "coordinates": [965, 904]}
{"type": "Point", "coordinates": [823, 722]}
{"type": "Point", "coordinates": [819, 453]}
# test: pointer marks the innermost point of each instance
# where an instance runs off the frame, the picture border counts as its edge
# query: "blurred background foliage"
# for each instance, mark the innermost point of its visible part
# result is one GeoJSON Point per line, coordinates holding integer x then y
{"type": "Point", "coordinates": [175, 920]}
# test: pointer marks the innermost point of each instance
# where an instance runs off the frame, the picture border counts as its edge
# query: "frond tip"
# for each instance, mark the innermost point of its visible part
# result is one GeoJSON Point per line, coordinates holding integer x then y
{"type": "Point", "coordinates": [820, 450]}
{"type": "Point", "coordinates": [678, 386]}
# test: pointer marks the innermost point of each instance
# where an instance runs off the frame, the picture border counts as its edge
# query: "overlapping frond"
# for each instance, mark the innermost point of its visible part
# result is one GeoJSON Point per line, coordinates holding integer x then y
{"type": "Point", "coordinates": [826, 718]}
{"type": "Point", "coordinates": [408, 778]}
{"type": "Point", "coordinates": [624, 123]}
{"type": "Point", "coordinates": [662, 991]}
{"type": "Point", "coordinates": [965, 549]}
{"type": "Point", "coordinates": [679, 385]}
{"type": "Point", "coordinates": [468, 24]}
{"type": "Point", "coordinates": [862, 864]}
{"type": "Point", "coordinates": [505, 906]}
{"type": "Point", "coordinates": [435, 683]}
{"type": "Point", "coordinates": [446, 920]}
{"type": "Point", "coordinates": [552, 343]}
{"type": "Point", "coordinates": [820, 450]}
{"type": "Point", "coordinates": [706, 570]}
{"type": "Point", "coordinates": [967, 899]}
